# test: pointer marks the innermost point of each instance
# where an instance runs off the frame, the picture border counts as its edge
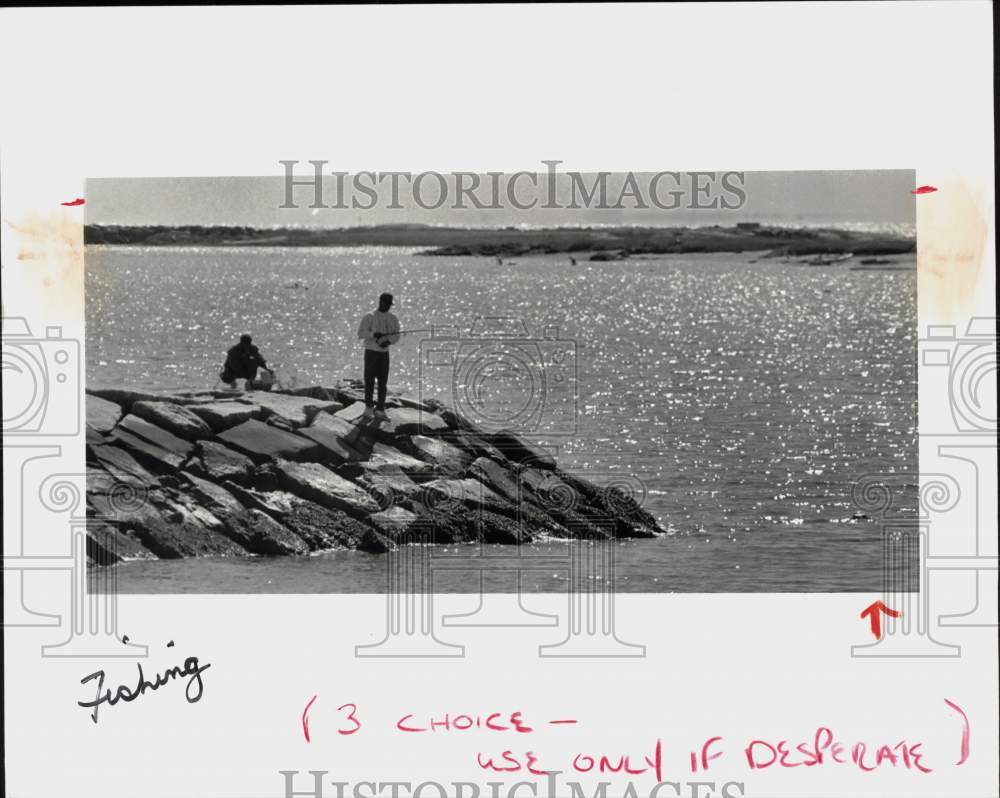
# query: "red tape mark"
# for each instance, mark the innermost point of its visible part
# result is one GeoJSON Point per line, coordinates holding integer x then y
{"type": "Point", "coordinates": [74, 203]}
{"type": "Point", "coordinates": [924, 190]}
{"type": "Point", "coordinates": [305, 718]}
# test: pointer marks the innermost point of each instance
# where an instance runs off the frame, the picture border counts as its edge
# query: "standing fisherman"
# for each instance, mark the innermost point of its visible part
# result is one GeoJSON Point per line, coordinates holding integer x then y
{"type": "Point", "coordinates": [378, 330]}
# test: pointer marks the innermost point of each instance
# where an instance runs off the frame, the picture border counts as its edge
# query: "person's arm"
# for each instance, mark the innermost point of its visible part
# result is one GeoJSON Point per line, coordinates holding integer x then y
{"type": "Point", "coordinates": [257, 356]}
{"type": "Point", "coordinates": [393, 335]}
{"type": "Point", "coordinates": [365, 328]}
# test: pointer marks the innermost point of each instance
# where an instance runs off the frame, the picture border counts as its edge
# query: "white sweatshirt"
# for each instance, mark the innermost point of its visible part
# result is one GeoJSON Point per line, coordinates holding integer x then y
{"type": "Point", "coordinates": [378, 322]}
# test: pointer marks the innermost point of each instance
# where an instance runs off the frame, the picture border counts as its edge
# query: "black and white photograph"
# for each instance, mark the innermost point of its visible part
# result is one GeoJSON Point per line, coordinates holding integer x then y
{"type": "Point", "coordinates": [695, 375]}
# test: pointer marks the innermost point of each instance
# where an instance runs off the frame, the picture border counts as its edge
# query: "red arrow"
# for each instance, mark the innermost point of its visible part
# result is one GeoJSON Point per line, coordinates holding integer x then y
{"type": "Point", "coordinates": [872, 613]}
{"type": "Point", "coordinates": [74, 203]}
{"type": "Point", "coordinates": [924, 190]}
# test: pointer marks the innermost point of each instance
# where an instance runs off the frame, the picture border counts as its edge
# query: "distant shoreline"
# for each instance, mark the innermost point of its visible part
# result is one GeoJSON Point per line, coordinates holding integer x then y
{"type": "Point", "coordinates": [597, 243]}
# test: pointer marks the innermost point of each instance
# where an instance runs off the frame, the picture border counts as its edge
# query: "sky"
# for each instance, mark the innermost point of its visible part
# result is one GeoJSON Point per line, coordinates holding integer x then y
{"type": "Point", "coordinates": [882, 198]}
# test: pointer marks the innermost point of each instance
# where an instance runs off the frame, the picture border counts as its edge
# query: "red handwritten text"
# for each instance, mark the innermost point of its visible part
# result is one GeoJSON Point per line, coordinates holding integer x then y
{"type": "Point", "coordinates": [584, 763]}
{"type": "Point", "coordinates": [824, 747]}
{"type": "Point", "coordinates": [510, 763]}
{"type": "Point", "coordinates": [495, 721]}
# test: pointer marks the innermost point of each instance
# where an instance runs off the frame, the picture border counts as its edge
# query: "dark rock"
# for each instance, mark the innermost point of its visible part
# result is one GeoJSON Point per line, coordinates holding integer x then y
{"type": "Point", "coordinates": [191, 398]}
{"type": "Point", "coordinates": [314, 392]}
{"type": "Point", "coordinates": [156, 435]}
{"type": "Point", "coordinates": [630, 519]}
{"type": "Point", "coordinates": [586, 509]}
{"type": "Point", "coordinates": [180, 508]}
{"type": "Point", "coordinates": [470, 493]}
{"type": "Point", "coordinates": [456, 420]}
{"type": "Point", "coordinates": [122, 466]}
{"type": "Point", "coordinates": [252, 529]}
{"type": "Point", "coordinates": [384, 456]}
{"type": "Point", "coordinates": [174, 418]}
{"type": "Point", "coordinates": [450, 523]}
{"type": "Point", "coordinates": [221, 416]}
{"type": "Point", "coordinates": [519, 502]}
{"type": "Point", "coordinates": [265, 477]}
{"type": "Point", "coordinates": [552, 494]}
{"type": "Point", "coordinates": [280, 423]}
{"type": "Point", "coordinates": [99, 480]}
{"type": "Point", "coordinates": [373, 542]}
{"type": "Point", "coordinates": [262, 442]}
{"type": "Point", "coordinates": [123, 397]}
{"type": "Point", "coordinates": [400, 526]}
{"type": "Point", "coordinates": [416, 404]}
{"type": "Point", "coordinates": [107, 545]}
{"type": "Point", "coordinates": [296, 478]}
{"type": "Point", "coordinates": [296, 410]}
{"type": "Point", "coordinates": [498, 529]}
{"type": "Point", "coordinates": [563, 503]}
{"type": "Point", "coordinates": [499, 479]}
{"type": "Point", "coordinates": [413, 421]}
{"type": "Point", "coordinates": [543, 482]}
{"type": "Point", "coordinates": [149, 454]}
{"type": "Point", "coordinates": [446, 524]}
{"type": "Point", "coordinates": [321, 528]}
{"type": "Point", "coordinates": [389, 486]}
{"type": "Point", "coordinates": [203, 397]}
{"type": "Point", "coordinates": [336, 436]}
{"type": "Point", "coordinates": [475, 444]}
{"type": "Point", "coordinates": [219, 462]}
{"type": "Point", "coordinates": [349, 395]}
{"type": "Point", "coordinates": [520, 451]}
{"type": "Point", "coordinates": [321, 485]}
{"type": "Point", "coordinates": [177, 533]}
{"type": "Point", "coordinates": [352, 413]}
{"type": "Point", "coordinates": [585, 527]}
{"type": "Point", "coordinates": [264, 535]}
{"type": "Point", "coordinates": [102, 414]}
{"type": "Point", "coordinates": [451, 460]}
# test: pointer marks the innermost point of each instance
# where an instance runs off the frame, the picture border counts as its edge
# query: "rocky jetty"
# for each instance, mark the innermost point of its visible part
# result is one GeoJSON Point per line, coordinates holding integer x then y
{"type": "Point", "coordinates": [228, 474]}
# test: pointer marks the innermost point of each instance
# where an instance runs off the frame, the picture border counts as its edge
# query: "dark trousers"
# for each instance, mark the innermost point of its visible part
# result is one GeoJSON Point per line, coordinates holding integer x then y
{"type": "Point", "coordinates": [376, 368]}
{"type": "Point", "coordinates": [232, 373]}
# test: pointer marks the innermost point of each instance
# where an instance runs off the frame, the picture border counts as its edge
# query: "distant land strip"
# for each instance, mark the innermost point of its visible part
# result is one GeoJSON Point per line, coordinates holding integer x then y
{"type": "Point", "coordinates": [600, 243]}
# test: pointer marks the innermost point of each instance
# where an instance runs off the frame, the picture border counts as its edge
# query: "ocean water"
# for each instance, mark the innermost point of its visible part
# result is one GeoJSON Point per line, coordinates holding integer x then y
{"type": "Point", "coordinates": [738, 400]}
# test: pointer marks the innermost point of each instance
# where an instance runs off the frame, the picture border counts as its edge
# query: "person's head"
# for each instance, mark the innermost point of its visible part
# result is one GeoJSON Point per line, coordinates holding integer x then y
{"type": "Point", "coordinates": [384, 302]}
{"type": "Point", "coordinates": [245, 339]}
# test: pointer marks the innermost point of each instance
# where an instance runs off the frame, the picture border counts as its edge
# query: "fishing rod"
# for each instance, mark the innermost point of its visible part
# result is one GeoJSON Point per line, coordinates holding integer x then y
{"type": "Point", "coordinates": [405, 332]}
{"type": "Point", "coordinates": [410, 332]}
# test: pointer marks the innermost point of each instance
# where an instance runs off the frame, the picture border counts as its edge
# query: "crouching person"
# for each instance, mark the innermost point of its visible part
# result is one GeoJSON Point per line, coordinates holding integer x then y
{"type": "Point", "coordinates": [242, 362]}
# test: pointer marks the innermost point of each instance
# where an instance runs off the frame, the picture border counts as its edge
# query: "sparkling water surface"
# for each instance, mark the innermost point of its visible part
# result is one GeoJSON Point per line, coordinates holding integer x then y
{"type": "Point", "coordinates": [739, 401]}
